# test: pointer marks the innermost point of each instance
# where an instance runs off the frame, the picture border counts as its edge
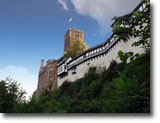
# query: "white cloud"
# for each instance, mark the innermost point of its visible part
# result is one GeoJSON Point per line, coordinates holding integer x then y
{"type": "Point", "coordinates": [103, 10]}
{"type": "Point", "coordinates": [64, 4]}
{"type": "Point", "coordinates": [22, 75]}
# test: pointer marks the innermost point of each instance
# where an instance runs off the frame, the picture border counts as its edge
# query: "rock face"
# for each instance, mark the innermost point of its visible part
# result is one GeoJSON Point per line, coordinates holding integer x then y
{"type": "Point", "coordinates": [47, 77]}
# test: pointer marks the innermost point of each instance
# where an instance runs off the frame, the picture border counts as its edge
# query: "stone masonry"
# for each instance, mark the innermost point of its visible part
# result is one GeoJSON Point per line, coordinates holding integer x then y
{"type": "Point", "coordinates": [70, 36]}
{"type": "Point", "coordinates": [47, 79]}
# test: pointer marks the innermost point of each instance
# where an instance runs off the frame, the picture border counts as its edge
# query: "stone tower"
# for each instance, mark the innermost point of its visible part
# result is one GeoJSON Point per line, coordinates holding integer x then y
{"type": "Point", "coordinates": [47, 79]}
{"type": "Point", "coordinates": [70, 36]}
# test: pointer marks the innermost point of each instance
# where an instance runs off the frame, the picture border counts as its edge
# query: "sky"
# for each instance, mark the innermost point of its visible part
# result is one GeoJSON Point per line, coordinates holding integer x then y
{"type": "Point", "coordinates": [31, 30]}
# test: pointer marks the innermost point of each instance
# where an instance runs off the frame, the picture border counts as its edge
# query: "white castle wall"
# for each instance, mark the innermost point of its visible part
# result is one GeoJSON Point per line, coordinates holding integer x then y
{"type": "Point", "coordinates": [101, 61]}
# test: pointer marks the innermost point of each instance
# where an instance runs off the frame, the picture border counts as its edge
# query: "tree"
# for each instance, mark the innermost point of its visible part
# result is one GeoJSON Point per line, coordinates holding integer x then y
{"type": "Point", "coordinates": [11, 94]}
{"type": "Point", "coordinates": [76, 48]}
{"type": "Point", "coordinates": [136, 24]}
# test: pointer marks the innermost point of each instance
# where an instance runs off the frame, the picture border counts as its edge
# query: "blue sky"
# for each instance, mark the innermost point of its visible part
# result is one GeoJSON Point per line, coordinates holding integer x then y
{"type": "Point", "coordinates": [31, 30]}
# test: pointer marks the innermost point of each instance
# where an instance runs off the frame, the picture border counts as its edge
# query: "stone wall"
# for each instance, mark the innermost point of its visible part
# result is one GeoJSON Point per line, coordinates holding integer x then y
{"type": "Point", "coordinates": [101, 62]}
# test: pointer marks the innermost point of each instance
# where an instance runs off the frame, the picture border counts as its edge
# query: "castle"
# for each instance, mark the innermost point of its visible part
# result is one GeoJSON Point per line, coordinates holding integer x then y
{"type": "Point", "coordinates": [55, 72]}
{"type": "Point", "coordinates": [47, 79]}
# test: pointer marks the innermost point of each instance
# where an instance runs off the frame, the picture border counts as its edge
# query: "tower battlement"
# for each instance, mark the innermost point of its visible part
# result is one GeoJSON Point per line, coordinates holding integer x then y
{"type": "Point", "coordinates": [70, 36]}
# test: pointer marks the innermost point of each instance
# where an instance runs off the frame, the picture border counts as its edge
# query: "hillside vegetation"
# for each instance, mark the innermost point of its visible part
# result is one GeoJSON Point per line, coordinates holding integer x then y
{"type": "Point", "coordinates": [124, 87]}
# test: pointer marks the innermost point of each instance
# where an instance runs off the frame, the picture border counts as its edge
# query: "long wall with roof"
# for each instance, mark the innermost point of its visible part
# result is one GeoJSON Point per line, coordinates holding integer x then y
{"type": "Point", "coordinates": [99, 57]}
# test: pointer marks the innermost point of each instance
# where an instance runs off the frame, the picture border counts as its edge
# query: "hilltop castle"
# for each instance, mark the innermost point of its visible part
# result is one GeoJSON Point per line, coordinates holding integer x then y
{"type": "Point", "coordinates": [47, 79]}
{"type": "Point", "coordinates": [55, 72]}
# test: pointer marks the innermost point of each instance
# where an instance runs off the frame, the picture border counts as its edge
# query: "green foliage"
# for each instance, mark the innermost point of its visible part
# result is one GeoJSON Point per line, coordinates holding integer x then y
{"type": "Point", "coordinates": [122, 32]}
{"type": "Point", "coordinates": [94, 88]}
{"type": "Point", "coordinates": [125, 85]}
{"type": "Point", "coordinates": [123, 88]}
{"type": "Point", "coordinates": [11, 94]}
{"type": "Point", "coordinates": [137, 25]}
{"type": "Point", "coordinates": [142, 19]}
{"type": "Point", "coordinates": [124, 57]}
{"type": "Point", "coordinates": [76, 48]}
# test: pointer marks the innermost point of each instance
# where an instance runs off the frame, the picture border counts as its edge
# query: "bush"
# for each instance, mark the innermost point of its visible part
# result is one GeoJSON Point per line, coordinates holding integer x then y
{"type": "Point", "coordinates": [123, 88]}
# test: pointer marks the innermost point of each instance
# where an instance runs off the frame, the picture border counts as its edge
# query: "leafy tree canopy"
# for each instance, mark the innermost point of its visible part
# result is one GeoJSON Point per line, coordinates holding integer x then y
{"type": "Point", "coordinates": [136, 24]}
{"type": "Point", "coordinates": [76, 48]}
{"type": "Point", "coordinates": [11, 94]}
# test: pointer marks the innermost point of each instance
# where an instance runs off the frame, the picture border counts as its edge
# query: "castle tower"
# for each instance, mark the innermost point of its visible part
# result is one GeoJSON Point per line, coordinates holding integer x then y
{"type": "Point", "coordinates": [42, 65]}
{"type": "Point", "coordinates": [70, 36]}
{"type": "Point", "coordinates": [47, 79]}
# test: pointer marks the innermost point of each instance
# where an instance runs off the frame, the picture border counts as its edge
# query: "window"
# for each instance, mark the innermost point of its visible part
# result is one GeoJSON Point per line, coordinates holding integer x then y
{"type": "Point", "coordinates": [76, 36]}
{"type": "Point", "coordinates": [61, 68]}
{"type": "Point", "coordinates": [73, 70]}
{"type": "Point", "coordinates": [87, 54]}
{"type": "Point", "coordinates": [58, 70]}
{"type": "Point", "coordinates": [51, 69]}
